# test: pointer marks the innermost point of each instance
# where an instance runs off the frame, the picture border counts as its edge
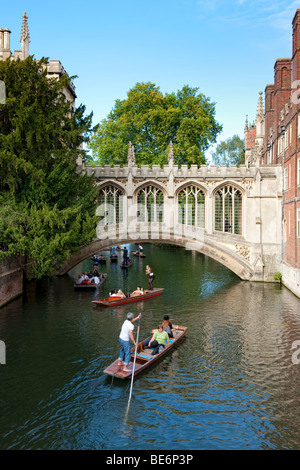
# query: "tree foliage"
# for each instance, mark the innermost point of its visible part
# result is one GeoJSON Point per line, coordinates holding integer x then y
{"type": "Point", "coordinates": [150, 121]}
{"type": "Point", "coordinates": [47, 209]}
{"type": "Point", "coordinates": [229, 152]}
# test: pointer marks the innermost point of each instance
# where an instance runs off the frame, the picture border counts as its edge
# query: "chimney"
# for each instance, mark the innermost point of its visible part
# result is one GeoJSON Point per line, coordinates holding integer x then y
{"type": "Point", "coordinates": [282, 86]}
{"type": "Point", "coordinates": [6, 39]}
{"type": "Point", "coordinates": [1, 39]}
{"type": "Point", "coordinates": [296, 46]}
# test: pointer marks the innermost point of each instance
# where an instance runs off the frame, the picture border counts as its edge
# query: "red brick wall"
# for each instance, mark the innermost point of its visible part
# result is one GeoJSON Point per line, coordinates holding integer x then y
{"type": "Point", "coordinates": [281, 109]}
{"type": "Point", "coordinates": [250, 137]}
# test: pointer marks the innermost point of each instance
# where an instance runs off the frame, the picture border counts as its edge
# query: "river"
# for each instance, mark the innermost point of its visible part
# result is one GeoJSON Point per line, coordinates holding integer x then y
{"type": "Point", "coordinates": [232, 383]}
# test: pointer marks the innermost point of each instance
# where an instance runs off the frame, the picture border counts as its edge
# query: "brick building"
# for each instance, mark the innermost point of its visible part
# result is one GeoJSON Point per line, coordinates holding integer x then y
{"type": "Point", "coordinates": [274, 139]}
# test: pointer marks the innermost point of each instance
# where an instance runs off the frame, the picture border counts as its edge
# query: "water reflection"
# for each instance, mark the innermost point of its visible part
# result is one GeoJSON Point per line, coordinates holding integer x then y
{"type": "Point", "coordinates": [231, 383]}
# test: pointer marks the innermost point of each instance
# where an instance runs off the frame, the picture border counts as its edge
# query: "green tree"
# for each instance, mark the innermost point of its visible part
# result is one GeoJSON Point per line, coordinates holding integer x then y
{"type": "Point", "coordinates": [47, 209]}
{"type": "Point", "coordinates": [150, 121]}
{"type": "Point", "coordinates": [229, 152]}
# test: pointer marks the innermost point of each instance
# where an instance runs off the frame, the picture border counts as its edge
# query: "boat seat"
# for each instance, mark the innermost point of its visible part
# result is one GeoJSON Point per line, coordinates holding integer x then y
{"type": "Point", "coordinates": [148, 351]}
{"type": "Point", "coordinates": [145, 356]}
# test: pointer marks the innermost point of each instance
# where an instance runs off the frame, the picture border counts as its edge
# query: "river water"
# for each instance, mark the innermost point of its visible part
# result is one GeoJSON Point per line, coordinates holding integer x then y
{"type": "Point", "coordinates": [232, 383]}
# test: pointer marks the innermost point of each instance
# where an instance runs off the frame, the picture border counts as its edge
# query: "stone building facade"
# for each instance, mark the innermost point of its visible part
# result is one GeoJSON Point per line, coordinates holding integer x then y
{"type": "Point", "coordinates": [274, 139]}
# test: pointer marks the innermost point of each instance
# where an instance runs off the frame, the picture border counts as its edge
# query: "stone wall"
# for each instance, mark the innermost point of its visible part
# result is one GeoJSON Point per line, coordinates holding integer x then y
{"type": "Point", "coordinates": [11, 279]}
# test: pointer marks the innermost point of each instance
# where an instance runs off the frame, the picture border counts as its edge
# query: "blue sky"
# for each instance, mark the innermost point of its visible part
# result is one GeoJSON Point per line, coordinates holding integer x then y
{"type": "Point", "coordinates": [225, 48]}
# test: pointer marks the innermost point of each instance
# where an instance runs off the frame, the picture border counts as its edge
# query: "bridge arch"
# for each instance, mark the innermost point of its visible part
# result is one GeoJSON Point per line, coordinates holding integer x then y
{"type": "Point", "coordinates": [234, 263]}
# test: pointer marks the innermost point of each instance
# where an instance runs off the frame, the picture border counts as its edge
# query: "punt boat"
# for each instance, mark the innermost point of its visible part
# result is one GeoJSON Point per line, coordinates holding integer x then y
{"type": "Point", "coordinates": [126, 266]}
{"type": "Point", "coordinates": [91, 285]}
{"type": "Point", "coordinates": [138, 254]}
{"type": "Point", "coordinates": [116, 300]}
{"type": "Point", "coordinates": [144, 358]}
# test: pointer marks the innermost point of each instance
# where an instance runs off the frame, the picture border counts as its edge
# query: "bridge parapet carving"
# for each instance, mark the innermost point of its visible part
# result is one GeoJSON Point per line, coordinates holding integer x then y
{"type": "Point", "coordinates": [194, 171]}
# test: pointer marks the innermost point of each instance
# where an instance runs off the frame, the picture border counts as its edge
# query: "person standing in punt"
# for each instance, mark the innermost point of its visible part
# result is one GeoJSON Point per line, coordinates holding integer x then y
{"type": "Point", "coordinates": [150, 275]}
{"type": "Point", "coordinates": [126, 335]}
{"type": "Point", "coordinates": [125, 256]}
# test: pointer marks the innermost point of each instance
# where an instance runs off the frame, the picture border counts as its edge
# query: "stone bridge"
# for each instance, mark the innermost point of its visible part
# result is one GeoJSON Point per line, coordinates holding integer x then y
{"type": "Point", "coordinates": [231, 214]}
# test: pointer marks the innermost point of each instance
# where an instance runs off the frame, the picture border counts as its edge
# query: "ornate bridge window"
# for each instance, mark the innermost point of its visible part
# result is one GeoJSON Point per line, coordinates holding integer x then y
{"type": "Point", "coordinates": [150, 202]}
{"type": "Point", "coordinates": [228, 210]}
{"type": "Point", "coordinates": [191, 206]}
{"type": "Point", "coordinates": [111, 205]}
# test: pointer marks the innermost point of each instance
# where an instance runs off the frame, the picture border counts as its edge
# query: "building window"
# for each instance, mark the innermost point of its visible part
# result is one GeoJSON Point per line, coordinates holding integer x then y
{"type": "Point", "coordinates": [228, 210]}
{"type": "Point", "coordinates": [110, 201]}
{"type": "Point", "coordinates": [298, 223]}
{"type": "Point", "coordinates": [298, 171]}
{"type": "Point", "coordinates": [191, 206]}
{"type": "Point", "coordinates": [286, 139]}
{"type": "Point", "coordinates": [150, 201]}
{"type": "Point", "coordinates": [285, 179]}
{"type": "Point", "coordinates": [271, 153]}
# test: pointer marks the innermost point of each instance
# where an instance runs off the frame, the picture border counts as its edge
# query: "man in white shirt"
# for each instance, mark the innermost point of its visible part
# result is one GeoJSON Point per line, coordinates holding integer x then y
{"type": "Point", "coordinates": [124, 339]}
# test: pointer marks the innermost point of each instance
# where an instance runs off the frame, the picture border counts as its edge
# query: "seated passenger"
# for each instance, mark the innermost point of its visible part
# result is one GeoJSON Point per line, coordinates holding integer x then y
{"type": "Point", "coordinates": [138, 291]}
{"type": "Point", "coordinates": [113, 293]}
{"type": "Point", "coordinates": [121, 294]}
{"type": "Point", "coordinates": [159, 339]}
{"type": "Point", "coordinates": [167, 326]}
{"type": "Point", "coordinates": [85, 279]}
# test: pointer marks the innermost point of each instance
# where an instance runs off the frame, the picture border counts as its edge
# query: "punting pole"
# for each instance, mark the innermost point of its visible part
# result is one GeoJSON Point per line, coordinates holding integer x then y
{"type": "Point", "coordinates": [132, 376]}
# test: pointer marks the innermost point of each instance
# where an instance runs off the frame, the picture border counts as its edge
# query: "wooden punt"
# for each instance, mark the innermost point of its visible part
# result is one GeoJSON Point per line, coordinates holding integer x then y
{"type": "Point", "coordinates": [115, 301]}
{"type": "Point", "coordinates": [144, 358]}
{"type": "Point", "coordinates": [114, 258]}
{"type": "Point", "coordinates": [139, 255]}
{"type": "Point", "coordinates": [91, 285]}
{"type": "Point", "coordinates": [126, 266]}
{"type": "Point", "coordinates": [99, 261]}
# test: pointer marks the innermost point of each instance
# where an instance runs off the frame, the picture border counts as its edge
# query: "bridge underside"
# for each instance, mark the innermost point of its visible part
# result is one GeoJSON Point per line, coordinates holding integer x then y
{"type": "Point", "coordinates": [236, 260]}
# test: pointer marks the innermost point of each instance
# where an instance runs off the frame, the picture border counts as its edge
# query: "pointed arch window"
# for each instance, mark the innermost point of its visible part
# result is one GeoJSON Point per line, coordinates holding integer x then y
{"type": "Point", "coordinates": [228, 210]}
{"type": "Point", "coordinates": [191, 206]}
{"type": "Point", "coordinates": [110, 201]}
{"type": "Point", "coordinates": [150, 202]}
